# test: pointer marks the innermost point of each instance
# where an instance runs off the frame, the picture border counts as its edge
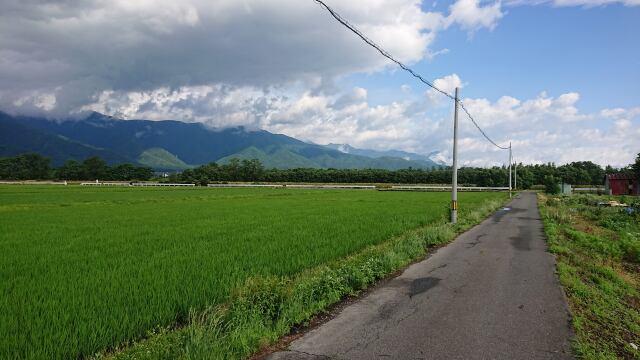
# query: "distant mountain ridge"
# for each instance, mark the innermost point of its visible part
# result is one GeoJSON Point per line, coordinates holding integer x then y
{"type": "Point", "coordinates": [348, 149]}
{"type": "Point", "coordinates": [175, 145]}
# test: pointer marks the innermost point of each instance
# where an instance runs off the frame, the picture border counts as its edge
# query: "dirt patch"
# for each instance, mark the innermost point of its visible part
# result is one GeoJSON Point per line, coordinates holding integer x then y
{"type": "Point", "coordinates": [583, 225]}
{"type": "Point", "coordinates": [630, 273]}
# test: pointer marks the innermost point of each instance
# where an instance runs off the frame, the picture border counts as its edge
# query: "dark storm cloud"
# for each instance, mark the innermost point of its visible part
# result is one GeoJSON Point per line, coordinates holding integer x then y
{"type": "Point", "coordinates": [73, 50]}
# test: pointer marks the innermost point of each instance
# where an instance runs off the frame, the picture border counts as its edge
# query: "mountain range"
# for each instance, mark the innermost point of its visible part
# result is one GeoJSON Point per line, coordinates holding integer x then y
{"type": "Point", "coordinates": [174, 145]}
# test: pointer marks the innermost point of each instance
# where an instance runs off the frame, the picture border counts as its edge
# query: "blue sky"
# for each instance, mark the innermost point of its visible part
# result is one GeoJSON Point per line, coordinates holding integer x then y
{"type": "Point", "coordinates": [557, 78]}
{"type": "Point", "coordinates": [534, 49]}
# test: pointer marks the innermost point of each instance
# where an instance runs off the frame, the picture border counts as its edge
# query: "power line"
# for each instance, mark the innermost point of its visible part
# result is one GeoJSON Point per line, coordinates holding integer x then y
{"type": "Point", "coordinates": [480, 129]}
{"type": "Point", "coordinates": [384, 53]}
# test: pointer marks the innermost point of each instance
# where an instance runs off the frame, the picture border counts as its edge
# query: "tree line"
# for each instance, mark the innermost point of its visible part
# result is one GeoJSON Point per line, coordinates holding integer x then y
{"type": "Point", "coordinates": [36, 167]}
{"type": "Point", "coordinates": [577, 173]}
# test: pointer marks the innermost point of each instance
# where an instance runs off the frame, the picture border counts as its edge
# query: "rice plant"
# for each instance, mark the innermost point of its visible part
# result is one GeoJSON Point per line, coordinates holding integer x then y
{"type": "Point", "coordinates": [85, 270]}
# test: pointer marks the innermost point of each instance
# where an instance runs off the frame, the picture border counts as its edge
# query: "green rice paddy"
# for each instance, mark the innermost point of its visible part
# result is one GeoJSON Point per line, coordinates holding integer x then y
{"type": "Point", "coordinates": [86, 269]}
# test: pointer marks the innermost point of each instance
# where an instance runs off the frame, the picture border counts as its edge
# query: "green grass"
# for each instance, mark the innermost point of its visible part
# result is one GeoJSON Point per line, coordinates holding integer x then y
{"type": "Point", "coordinates": [598, 254]}
{"type": "Point", "coordinates": [85, 270]}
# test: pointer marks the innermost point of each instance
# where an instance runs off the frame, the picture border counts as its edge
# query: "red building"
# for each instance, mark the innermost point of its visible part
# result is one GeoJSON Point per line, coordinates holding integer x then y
{"type": "Point", "coordinates": [621, 184]}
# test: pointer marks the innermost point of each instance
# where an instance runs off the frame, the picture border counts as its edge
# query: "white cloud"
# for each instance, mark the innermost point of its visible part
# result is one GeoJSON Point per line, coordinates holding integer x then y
{"type": "Point", "coordinates": [271, 65]}
{"type": "Point", "coordinates": [76, 50]}
{"type": "Point", "coordinates": [37, 100]}
{"type": "Point", "coordinates": [542, 129]}
{"type": "Point", "coordinates": [448, 84]}
{"type": "Point", "coordinates": [568, 3]}
{"type": "Point", "coordinates": [592, 3]}
{"type": "Point", "coordinates": [472, 16]}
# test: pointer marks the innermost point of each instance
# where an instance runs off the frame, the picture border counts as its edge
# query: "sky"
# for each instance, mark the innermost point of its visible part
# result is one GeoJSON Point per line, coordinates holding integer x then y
{"type": "Point", "coordinates": [559, 79]}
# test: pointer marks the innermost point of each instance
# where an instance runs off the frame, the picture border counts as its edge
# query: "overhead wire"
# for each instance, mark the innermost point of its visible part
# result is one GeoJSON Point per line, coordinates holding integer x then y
{"type": "Point", "coordinates": [479, 128]}
{"type": "Point", "coordinates": [384, 53]}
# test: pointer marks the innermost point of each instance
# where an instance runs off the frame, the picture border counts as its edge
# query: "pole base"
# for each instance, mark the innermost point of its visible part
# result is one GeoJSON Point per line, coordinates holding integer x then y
{"type": "Point", "coordinates": [454, 216]}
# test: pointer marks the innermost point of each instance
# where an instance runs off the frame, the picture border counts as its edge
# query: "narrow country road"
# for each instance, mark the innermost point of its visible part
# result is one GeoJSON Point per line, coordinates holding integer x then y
{"type": "Point", "coordinates": [490, 294]}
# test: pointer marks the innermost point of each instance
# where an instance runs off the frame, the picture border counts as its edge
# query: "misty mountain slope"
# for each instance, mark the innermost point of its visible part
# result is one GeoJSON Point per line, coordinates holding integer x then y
{"type": "Point", "coordinates": [193, 143]}
{"type": "Point", "coordinates": [279, 157]}
{"type": "Point", "coordinates": [424, 160]}
{"type": "Point", "coordinates": [17, 138]}
{"type": "Point", "coordinates": [175, 145]}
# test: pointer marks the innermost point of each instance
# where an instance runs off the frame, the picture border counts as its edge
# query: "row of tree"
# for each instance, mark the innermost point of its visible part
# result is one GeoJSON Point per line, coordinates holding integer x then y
{"type": "Point", "coordinates": [577, 173]}
{"type": "Point", "coordinates": [37, 167]}
{"type": "Point", "coordinates": [34, 166]}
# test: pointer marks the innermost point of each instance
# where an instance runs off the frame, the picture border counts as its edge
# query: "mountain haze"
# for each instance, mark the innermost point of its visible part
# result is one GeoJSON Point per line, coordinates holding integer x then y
{"type": "Point", "coordinates": [428, 160]}
{"type": "Point", "coordinates": [175, 145]}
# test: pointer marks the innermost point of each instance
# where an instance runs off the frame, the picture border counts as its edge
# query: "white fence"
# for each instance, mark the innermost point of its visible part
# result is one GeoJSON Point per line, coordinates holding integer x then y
{"type": "Point", "coordinates": [33, 183]}
{"type": "Point", "coordinates": [105, 184]}
{"type": "Point", "coordinates": [134, 184]}
{"type": "Point", "coordinates": [448, 188]}
{"type": "Point", "coordinates": [320, 186]}
{"type": "Point", "coordinates": [163, 184]}
{"type": "Point", "coordinates": [288, 186]}
{"type": "Point", "coordinates": [244, 185]}
{"type": "Point", "coordinates": [295, 186]}
{"type": "Point", "coordinates": [363, 187]}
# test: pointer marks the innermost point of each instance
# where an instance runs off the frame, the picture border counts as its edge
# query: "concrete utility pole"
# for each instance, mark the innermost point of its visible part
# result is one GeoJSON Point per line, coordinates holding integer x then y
{"type": "Point", "coordinates": [454, 179]}
{"type": "Point", "coordinates": [509, 169]}
{"type": "Point", "coordinates": [515, 176]}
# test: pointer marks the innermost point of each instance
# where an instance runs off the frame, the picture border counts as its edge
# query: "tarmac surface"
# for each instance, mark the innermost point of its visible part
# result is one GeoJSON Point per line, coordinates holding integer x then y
{"type": "Point", "coordinates": [490, 294]}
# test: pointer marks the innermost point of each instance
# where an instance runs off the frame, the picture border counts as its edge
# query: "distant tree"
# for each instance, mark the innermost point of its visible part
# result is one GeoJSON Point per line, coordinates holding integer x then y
{"type": "Point", "coordinates": [581, 173]}
{"type": "Point", "coordinates": [251, 170]}
{"type": "Point", "coordinates": [121, 172]}
{"type": "Point", "coordinates": [551, 185]}
{"type": "Point", "coordinates": [635, 167]}
{"type": "Point", "coordinates": [95, 168]}
{"type": "Point", "coordinates": [232, 170]}
{"type": "Point", "coordinates": [29, 166]}
{"type": "Point", "coordinates": [37, 166]}
{"type": "Point", "coordinates": [202, 181]}
{"type": "Point", "coordinates": [5, 168]}
{"type": "Point", "coordinates": [143, 173]}
{"type": "Point", "coordinates": [71, 170]}
{"type": "Point", "coordinates": [173, 178]}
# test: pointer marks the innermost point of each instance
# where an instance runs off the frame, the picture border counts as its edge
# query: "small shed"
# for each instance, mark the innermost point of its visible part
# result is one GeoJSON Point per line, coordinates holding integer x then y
{"type": "Point", "coordinates": [621, 184]}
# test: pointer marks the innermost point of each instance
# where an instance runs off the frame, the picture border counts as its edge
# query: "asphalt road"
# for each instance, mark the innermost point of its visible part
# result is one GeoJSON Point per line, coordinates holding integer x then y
{"type": "Point", "coordinates": [490, 294]}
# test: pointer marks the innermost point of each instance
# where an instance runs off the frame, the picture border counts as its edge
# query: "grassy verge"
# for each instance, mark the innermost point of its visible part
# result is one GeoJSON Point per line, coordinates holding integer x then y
{"type": "Point", "coordinates": [262, 310]}
{"type": "Point", "coordinates": [598, 254]}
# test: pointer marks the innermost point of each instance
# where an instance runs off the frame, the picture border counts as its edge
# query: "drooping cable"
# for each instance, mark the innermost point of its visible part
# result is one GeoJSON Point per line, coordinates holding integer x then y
{"type": "Point", "coordinates": [384, 53]}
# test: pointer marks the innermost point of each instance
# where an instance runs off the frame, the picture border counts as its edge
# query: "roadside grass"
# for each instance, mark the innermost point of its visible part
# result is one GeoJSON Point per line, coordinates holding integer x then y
{"type": "Point", "coordinates": [598, 255]}
{"type": "Point", "coordinates": [199, 273]}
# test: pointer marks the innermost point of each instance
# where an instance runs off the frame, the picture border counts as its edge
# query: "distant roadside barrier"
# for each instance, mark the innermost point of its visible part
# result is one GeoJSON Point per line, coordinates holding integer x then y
{"type": "Point", "coordinates": [244, 185]}
{"type": "Point", "coordinates": [163, 184]}
{"type": "Point", "coordinates": [105, 184]}
{"type": "Point", "coordinates": [385, 187]}
{"type": "Point", "coordinates": [135, 184]}
{"type": "Point", "coordinates": [28, 182]}
{"type": "Point", "coordinates": [297, 186]}
{"type": "Point", "coordinates": [448, 188]}
{"type": "Point", "coordinates": [320, 186]}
